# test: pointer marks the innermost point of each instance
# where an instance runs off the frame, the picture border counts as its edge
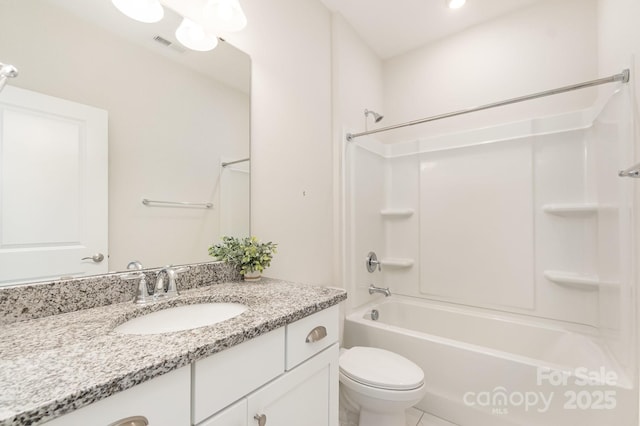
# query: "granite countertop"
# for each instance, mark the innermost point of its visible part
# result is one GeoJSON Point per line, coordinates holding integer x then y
{"type": "Point", "coordinates": [53, 365]}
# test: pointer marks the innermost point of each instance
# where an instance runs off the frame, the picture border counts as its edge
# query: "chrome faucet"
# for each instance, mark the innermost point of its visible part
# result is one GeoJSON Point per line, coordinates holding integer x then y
{"type": "Point", "coordinates": [373, 289]}
{"type": "Point", "coordinates": [172, 285]}
{"type": "Point", "coordinates": [143, 296]}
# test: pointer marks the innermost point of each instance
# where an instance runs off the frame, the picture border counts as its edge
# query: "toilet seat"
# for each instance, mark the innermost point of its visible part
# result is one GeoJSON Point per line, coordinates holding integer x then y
{"type": "Point", "coordinates": [381, 369]}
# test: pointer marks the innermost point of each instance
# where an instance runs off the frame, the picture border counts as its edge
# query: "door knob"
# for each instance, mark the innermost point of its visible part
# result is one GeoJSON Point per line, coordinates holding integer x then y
{"type": "Point", "coordinates": [261, 418]}
{"type": "Point", "coordinates": [98, 257]}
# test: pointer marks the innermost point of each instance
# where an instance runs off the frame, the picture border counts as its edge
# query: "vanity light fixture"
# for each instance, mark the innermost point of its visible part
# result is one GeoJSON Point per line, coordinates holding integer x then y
{"type": "Point", "coordinates": [147, 11]}
{"type": "Point", "coordinates": [192, 35]}
{"type": "Point", "coordinates": [202, 19]}
{"type": "Point", "coordinates": [455, 4]}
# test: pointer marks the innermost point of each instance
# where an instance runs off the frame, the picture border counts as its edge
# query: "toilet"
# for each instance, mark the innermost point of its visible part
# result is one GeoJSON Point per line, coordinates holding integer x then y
{"type": "Point", "coordinates": [380, 384]}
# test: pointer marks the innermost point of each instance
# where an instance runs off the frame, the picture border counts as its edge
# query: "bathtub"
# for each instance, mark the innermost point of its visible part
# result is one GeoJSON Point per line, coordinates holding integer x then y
{"type": "Point", "coordinates": [488, 369]}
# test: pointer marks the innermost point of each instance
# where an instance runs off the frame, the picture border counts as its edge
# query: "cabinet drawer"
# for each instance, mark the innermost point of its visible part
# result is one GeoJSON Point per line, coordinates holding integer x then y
{"type": "Point", "coordinates": [310, 335]}
{"type": "Point", "coordinates": [229, 375]}
{"type": "Point", "coordinates": [163, 401]}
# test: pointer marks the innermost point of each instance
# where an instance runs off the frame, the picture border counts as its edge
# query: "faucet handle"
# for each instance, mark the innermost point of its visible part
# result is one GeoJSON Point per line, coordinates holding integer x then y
{"type": "Point", "coordinates": [372, 261]}
{"type": "Point", "coordinates": [135, 264]}
{"type": "Point", "coordinates": [142, 294]}
{"type": "Point", "coordinates": [172, 274]}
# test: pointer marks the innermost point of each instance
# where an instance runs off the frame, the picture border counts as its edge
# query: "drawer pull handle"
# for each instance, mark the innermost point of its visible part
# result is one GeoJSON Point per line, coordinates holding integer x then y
{"type": "Point", "coordinates": [261, 418]}
{"type": "Point", "coordinates": [318, 333]}
{"type": "Point", "coordinates": [131, 421]}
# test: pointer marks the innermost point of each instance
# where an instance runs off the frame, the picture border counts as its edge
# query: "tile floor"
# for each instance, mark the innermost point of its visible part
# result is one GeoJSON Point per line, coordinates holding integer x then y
{"type": "Point", "coordinates": [415, 417]}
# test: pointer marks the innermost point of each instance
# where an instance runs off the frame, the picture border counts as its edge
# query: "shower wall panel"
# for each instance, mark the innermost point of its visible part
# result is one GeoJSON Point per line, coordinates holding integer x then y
{"type": "Point", "coordinates": [364, 197]}
{"type": "Point", "coordinates": [476, 225]}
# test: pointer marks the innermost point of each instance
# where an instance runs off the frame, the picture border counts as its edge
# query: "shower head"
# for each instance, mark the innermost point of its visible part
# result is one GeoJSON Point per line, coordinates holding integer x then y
{"type": "Point", "coordinates": [6, 72]}
{"type": "Point", "coordinates": [376, 116]}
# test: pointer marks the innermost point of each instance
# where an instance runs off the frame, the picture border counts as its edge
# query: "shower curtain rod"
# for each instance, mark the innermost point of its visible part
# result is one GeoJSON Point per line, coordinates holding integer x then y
{"type": "Point", "coordinates": [623, 77]}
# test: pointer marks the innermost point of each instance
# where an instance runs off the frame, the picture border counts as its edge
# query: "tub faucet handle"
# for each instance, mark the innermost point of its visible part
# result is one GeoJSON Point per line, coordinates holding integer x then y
{"type": "Point", "coordinates": [372, 262]}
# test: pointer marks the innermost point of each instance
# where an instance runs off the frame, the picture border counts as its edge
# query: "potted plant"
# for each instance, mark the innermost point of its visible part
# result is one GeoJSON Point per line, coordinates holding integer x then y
{"type": "Point", "coordinates": [249, 255]}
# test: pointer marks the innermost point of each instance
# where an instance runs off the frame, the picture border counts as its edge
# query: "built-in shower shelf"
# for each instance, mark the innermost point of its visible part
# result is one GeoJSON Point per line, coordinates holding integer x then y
{"type": "Point", "coordinates": [390, 213]}
{"type": "Point", "coordinates": [397, 262]}
{"type": "Point", "coordinates": [577, 281]}
{"type": "Point", "coordinates": [571, 209]}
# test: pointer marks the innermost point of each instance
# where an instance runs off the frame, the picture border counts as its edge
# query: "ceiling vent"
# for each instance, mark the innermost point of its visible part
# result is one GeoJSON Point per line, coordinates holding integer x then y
{"type": "Point", "coordinates": [162, 40]}
{"type": "Point", "coordinates": [168, 43]}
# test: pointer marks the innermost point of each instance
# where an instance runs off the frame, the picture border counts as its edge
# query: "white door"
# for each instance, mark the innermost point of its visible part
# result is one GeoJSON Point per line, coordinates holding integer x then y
{"type": "Point", "coordinates": [53, 187]}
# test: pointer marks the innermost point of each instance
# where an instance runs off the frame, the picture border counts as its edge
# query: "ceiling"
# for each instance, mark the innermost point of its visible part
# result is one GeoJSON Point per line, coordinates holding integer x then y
{"type": "Point", "coordinates": [394, 27]}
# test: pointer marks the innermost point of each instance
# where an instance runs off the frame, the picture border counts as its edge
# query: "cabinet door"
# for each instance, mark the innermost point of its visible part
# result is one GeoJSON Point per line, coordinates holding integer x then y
{"type": "Point", "coordinates": [306, 395]}
{"type": "Point", "coordinates": [163, 401]}
{"type": "Point", "coordinates": [236, 415]}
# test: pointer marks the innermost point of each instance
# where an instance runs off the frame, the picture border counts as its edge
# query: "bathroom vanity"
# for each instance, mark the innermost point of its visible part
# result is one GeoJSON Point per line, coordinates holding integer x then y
{"type": "Point", "coordinates": [274, 364]}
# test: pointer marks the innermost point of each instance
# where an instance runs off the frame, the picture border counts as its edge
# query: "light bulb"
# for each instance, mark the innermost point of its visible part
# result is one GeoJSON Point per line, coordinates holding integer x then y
{"type": "Point", "coordinates": [147, 11]}
{"type": "Point", "coordinates": [192, 35]}
{"type": "Point", "coordinates": [455, 4]}
{"type": "Point", "coordinates": [224, 15]}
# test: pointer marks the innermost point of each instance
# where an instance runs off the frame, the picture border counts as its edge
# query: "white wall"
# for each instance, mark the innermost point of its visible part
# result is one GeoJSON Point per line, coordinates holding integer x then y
{"type": "Point", "coordinates": [168, 127]}
{"type": "Point", "coordinates": [291, 147]}
{"type": "Point", "coordinates": [548, 45]}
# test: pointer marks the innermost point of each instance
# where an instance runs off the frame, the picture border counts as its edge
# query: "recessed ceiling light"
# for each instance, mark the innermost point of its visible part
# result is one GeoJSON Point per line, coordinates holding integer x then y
{"type": "Point", "coordinates": [455, 4]}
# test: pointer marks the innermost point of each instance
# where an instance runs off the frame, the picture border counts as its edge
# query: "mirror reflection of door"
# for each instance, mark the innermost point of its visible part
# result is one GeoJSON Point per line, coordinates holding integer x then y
{"type": "Point", "coordinates": [53, 187]}
{"type": "Point", "coordinates": [174, 116]}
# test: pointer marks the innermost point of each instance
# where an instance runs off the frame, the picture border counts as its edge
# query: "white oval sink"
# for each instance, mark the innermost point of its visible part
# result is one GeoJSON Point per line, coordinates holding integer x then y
{"type": "Point", "coordinates": [181, 318]}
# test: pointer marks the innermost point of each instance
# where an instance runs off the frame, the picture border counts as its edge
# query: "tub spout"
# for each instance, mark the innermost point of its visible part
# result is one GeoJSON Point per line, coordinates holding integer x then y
{"type": "Point", "coordinates": [374, 289]}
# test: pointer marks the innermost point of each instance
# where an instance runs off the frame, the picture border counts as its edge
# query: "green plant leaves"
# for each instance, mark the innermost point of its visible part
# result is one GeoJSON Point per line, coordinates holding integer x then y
{"type": "Point", "coordinates": [249, 254]}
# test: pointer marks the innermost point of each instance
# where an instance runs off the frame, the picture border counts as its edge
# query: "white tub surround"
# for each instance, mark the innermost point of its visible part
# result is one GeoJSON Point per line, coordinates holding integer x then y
{"type": "Point", "coordinates": [527, 224]}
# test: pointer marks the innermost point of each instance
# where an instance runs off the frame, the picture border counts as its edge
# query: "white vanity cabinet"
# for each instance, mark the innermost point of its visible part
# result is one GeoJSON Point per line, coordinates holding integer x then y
{"type": "Point", "coordinates": [162, 401]}
{"type": "Point", "coordinates": [227, 376]}
{"type": "Point", "coordinates": [236, 415]}
{"type": "Point", "coordinates": [288, 376]}
{"type": "Point", "coordinates": [304, 393]}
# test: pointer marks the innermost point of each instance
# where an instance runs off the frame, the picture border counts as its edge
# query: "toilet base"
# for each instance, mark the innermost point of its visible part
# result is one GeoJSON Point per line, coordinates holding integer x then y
{"type": "Point", "coordinates": [373, 411]}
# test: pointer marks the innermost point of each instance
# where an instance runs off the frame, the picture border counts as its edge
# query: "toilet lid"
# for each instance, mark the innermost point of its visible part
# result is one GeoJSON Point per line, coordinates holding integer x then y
{"type": "Point", "coordinates": [380, 368]}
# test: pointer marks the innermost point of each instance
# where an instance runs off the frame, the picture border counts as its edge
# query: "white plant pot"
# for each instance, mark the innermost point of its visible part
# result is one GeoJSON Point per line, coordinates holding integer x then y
{"type": "Point", "coordinates": [252, 276]}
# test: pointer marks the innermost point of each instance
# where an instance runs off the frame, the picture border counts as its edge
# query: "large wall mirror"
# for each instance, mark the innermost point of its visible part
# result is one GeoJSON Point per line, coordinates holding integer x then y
{"type": "Point", "coordinates": [172, 118]}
